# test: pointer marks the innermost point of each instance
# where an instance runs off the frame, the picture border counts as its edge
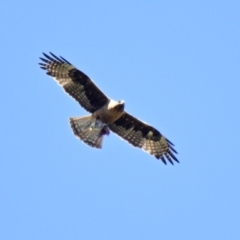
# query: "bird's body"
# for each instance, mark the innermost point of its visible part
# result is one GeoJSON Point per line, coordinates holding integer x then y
{"type": "Point", "coordinates": [106, 114]}
{"type": "Point", "coordinates": [110, 112]}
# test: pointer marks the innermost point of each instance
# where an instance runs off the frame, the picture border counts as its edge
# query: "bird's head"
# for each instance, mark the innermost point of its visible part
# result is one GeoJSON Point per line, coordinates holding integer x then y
{"type": "Point", "coordinates": [121, 104]}
{"type": "Point", "coordinates": [117, 105]}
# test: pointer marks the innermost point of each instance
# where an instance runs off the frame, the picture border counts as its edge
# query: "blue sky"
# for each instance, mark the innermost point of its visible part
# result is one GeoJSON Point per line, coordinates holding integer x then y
{"type": "Point", "coordinates": [176, 65]}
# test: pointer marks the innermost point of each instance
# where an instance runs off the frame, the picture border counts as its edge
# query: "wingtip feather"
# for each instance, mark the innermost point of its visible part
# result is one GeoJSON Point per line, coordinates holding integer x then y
{"type": "Point", "coordinates": [57, 58]}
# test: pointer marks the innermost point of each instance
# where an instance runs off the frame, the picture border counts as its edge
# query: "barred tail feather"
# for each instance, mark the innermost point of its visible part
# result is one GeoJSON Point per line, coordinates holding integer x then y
{"type": "Point", "coordinates": [89, 130]}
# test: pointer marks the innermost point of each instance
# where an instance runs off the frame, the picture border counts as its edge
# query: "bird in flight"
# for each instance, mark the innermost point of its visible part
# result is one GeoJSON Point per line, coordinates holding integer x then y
{"type": "Point", "coordinates": [106, 114]}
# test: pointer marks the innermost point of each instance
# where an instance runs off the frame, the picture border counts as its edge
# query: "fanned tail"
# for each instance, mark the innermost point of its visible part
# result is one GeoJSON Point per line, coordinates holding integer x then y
{"type": "Point", "coordinates": [89, 130]}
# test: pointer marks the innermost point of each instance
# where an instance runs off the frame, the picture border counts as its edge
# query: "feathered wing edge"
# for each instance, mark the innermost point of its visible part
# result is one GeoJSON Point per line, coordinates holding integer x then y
{"type": "Point", "coordinates": [76, 83]}
{"type": "Point", "coordinates": [143, 136]}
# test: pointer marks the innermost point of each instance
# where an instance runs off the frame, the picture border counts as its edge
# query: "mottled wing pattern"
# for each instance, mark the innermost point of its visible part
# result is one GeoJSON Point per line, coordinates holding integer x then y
{"type": "Point", "coordinates": [141, 135]}
{"type": "Point", "coordinates": [74, 82]}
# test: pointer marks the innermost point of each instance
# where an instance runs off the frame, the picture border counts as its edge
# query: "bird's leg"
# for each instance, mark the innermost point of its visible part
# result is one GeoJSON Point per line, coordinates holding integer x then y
{"type": "Point", "coordinates": [104, 131]}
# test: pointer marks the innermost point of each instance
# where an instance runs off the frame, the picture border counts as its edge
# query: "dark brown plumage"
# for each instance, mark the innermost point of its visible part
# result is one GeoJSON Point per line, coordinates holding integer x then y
{"type": "Point", "coordinates": [105, 113]}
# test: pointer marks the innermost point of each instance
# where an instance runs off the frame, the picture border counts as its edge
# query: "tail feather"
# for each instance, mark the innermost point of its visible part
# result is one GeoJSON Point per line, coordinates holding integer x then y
{"type": "Point", "coordinates": [90, 130]}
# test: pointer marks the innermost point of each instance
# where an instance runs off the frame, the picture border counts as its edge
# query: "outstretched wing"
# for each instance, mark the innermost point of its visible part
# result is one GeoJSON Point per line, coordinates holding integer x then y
{"type": "Point", "coordinates": [141, 135]}
{"type": "Point", "coordinates": [74, 82]}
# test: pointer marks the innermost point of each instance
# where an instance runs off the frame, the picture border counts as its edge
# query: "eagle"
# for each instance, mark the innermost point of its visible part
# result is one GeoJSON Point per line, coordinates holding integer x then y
{"type": "Point", "coordinates": [106, 114]}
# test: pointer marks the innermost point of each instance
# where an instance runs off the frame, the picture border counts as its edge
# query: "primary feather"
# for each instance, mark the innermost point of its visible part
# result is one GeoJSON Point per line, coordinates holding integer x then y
{"type": "Point", "coordinates": [106, 113]}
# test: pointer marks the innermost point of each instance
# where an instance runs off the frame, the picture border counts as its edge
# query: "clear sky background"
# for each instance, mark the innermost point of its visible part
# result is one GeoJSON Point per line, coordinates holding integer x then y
{"type": "Point", "coordinates": [177, 66]}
